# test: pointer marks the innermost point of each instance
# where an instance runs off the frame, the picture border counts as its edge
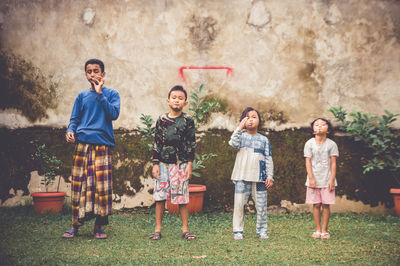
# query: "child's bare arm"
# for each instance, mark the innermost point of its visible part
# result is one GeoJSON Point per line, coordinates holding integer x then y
{"type": "Point", "coordinates": [269, 183]}
{"type": "Point", "coordinates": [311, 178]}
{"type": "Point", "coordinates": [70, 137]}
{"type": "Point", "coordinates": [188, 171]}
{"type": "Point", "coordinates": [156, 171]}
{"type": "Point", "coordinates": [243, 123]}
{"type": "Point", "coordinates": [331, 184]}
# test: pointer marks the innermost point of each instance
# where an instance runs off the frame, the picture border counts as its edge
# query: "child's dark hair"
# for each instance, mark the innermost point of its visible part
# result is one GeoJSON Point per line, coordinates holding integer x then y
{"type": "Point", "coordinates": [178, 88]}
{"type": "Point", "coordinates": [330, 127]}
{"type": "Point", "coordinates": [95, 62]}
{"type": "Point", "coordinates": [246, 111]}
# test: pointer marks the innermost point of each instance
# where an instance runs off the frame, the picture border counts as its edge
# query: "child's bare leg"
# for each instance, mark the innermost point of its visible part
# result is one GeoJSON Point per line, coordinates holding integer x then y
{"type": "Point", "coordinates": [184, 212]}
{"type": "Point", "coordinates": [160, 207]}
{"type": "Point", "coordinates": [317, 217]}
{"type": "Point", "coordinates": [326, 211]}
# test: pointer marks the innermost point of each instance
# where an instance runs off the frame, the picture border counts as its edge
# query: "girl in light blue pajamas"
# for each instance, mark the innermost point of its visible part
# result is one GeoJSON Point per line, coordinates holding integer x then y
{"type": "Point", "coordinates": [252, 172]}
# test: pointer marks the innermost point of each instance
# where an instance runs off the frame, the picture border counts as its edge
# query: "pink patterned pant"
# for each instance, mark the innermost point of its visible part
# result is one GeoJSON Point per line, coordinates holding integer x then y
{"type": "Point", "coordinates": [172, 184]}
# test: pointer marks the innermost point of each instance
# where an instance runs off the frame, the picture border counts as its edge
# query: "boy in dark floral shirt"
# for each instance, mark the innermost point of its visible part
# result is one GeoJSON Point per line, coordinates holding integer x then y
{"type": "Point", "coordinates": [173, 154]}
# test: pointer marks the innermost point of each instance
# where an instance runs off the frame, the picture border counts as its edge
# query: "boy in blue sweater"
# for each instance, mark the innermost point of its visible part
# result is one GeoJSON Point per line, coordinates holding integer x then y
{"type": "Point", "coordinates": [91, 129]}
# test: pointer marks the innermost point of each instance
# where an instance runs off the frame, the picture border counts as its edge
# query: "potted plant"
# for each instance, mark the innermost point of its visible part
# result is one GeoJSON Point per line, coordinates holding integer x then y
{"type": "Point", "coordinates": [380, 139]}
{"type": "Point", "coordinates": [199, 108]}
{"type": "Point", "coordinates": [47, 202]}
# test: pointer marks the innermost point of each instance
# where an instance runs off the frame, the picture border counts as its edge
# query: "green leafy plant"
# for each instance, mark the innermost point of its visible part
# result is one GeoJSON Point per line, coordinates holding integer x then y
{"type": "Point", "coordinates": [377, 135]}
{"type": "Point", "coordinates": [147, 130]}
{"type": "Point", "coordinates": [198, 162]}
{"type": "Point", "coordinates": [48, 166]}
{"type": "Point", "coordinates": [199, 109]}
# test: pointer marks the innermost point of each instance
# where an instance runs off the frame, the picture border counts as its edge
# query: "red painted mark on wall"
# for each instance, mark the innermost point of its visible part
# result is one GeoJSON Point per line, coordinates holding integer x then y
{"type": "Point", "coordinates": [229, 70]}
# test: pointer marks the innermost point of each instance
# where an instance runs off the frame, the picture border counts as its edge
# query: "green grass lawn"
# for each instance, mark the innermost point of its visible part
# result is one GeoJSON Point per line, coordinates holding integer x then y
{"type": "Point", "coordinates": [356, 239]}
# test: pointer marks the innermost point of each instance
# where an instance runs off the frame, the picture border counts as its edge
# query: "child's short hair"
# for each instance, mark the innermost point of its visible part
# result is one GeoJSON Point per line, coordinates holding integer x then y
{"type": "Point", "coordinates": [177, 88]}
{"type": "Point", "coordinates": [246, 111]}
{"type": "Point", "coordinates": [330, 127]}
{"type": "Point", "coordinates": [95, 62]}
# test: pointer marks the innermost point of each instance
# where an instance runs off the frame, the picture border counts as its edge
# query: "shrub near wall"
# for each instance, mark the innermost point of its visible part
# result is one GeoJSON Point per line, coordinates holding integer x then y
{"type": "Point", "coordinates": [16, 161]}
{"type": "Point", "coordinates": [289, 169]}
{"type": "Point", "coordinates": [130, 157]}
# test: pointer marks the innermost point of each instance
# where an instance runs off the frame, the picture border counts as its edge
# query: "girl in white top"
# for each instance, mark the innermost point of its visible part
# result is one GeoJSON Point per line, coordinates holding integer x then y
{"type": "Point", "coordinates": [252, 172]}
{"type": "Point", "coordinates": [320, 153]}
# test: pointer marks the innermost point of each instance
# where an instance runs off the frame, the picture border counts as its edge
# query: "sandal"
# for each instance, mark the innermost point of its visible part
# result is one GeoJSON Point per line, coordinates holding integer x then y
{"type": "Point", "coordinates": [238, 236]}
{"type": "Point", "coordinates": [155, 236]}
{"type": "Point", "coordinates": [325, 236]}
{"type": "Point", "coordinates": [99, 234]}
{"type": "Point", "coordinates": [188, 236]}
{"type": "Point", "coordinates": [70, 233]}
{"type": "Point", "coordinates": [264, 236]}
{"type": "Point", "coordinates": [316, 235]}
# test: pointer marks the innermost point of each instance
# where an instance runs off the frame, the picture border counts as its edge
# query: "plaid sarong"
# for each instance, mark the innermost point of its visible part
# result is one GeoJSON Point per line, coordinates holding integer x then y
{"type": "Point", "coordinates": [91, 182]}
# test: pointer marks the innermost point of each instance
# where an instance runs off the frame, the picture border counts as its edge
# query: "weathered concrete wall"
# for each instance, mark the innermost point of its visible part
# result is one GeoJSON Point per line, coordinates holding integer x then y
{"type": "Point", "coordinates": [292, 60]}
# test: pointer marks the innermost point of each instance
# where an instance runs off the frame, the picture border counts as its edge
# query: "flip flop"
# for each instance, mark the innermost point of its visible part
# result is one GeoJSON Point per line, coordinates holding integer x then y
{"type": "Point", "coordinates": [264, 236]}
{"type": "Point", "coordinates": [155, 236]}
{"type": "Point", "coordinates": [98, 234]}
{"type": "Point", "coordinates": [325, 236]}
{"type": "Point", "coordinates": [70, 233]}
{"type": "Point", "coordinates": [238, 236]}
{"type": "Point", "coordinates": [316, 235]}
{"type": "Point", "coordinates": [188, 236]}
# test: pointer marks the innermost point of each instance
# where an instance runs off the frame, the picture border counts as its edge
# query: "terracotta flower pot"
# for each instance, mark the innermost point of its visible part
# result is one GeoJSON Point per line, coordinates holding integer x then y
{"type": "Point", "coordinates": [196, 198]}
{"type": "Point", "coordinates": [48, 202]}
{"type": "Point", "coordinates": [396, 199]}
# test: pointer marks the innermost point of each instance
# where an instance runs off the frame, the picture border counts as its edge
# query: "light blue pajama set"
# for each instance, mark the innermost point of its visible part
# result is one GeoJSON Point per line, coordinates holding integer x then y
{"type": "Point", "coordinates": [252, 167]}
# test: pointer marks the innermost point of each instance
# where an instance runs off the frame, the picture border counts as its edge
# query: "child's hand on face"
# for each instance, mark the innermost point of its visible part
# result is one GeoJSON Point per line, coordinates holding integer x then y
{"type": "Point", "coordinates": [243, 123]}
{"type": "Point", "coordinates": [98, 83]}
{"type": "Point", "coordinates": [268, 183]}
{"type": "Point", "coordinates": [156, 171]}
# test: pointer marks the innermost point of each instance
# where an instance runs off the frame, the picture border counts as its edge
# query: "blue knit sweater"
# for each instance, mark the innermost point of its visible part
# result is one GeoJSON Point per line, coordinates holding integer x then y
{"type": "Point", "coordinates": [92, 115]}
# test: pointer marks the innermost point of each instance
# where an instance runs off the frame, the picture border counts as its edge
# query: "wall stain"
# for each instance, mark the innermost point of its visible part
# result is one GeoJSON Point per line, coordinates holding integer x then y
{"type": "Point", "coordinates": [203, 32]}
{"type": "Point", "coordinates": [274, 115]}
{"type": "Point", "coordinates": [24, 87]}
{"type": "Point", "coordinates": [309, 72]}
{"type": "Point", "coordinates": [306, 72]}
{"type": "Point", "coordinates": [268, 112]}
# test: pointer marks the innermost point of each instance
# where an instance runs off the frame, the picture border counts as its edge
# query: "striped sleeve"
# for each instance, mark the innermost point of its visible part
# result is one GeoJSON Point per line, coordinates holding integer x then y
{"type": "Point", "coordinates": [235, 139]}
{"type": "Point", "coordinates": [268, 161]}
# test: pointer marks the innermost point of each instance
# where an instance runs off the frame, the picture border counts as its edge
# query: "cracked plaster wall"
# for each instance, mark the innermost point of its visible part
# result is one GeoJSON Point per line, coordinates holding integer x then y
{"type": "Point", "coordinates": [298, 58]}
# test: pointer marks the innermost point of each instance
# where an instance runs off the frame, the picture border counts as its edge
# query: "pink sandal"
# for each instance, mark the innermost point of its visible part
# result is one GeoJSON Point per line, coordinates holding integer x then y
{"type": "Point", "coordinates": [316, 235]}
{"type": "Point", "coordinates": [325, 236]}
